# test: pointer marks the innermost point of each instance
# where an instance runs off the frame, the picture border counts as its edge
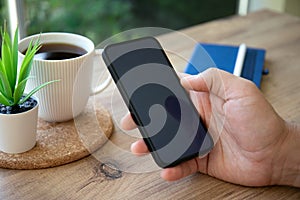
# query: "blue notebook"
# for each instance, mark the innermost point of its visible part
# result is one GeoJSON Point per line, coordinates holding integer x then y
{"type": "Point", "coordinates": [224, 57]}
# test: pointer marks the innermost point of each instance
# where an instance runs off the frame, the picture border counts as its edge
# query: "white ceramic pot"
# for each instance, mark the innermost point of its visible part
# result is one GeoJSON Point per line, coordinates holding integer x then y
{"type": "Point", "coordinates": [18, 131]}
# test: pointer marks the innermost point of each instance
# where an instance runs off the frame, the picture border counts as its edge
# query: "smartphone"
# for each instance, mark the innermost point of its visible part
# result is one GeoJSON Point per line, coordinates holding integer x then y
{"type": "Point", "coordinates": [166, 117]}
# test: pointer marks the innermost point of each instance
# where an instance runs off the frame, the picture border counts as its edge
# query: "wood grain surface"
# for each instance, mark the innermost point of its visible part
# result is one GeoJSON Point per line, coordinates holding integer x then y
{"type": "Point", "coordinates": [109, 174]}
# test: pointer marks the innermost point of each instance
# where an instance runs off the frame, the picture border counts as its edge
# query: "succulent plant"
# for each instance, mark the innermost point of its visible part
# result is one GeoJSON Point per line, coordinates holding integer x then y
{"type": "Point", "coordinates": [13, 79]}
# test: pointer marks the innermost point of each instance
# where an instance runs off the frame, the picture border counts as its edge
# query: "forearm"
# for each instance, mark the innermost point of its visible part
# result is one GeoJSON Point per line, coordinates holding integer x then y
{"type": "Point", "coordinates": [288, 169]}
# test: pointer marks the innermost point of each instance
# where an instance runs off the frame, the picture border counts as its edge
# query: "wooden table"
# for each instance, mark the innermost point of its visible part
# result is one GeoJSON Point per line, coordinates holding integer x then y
{"type": "Point", "coordinates": [279, 34]}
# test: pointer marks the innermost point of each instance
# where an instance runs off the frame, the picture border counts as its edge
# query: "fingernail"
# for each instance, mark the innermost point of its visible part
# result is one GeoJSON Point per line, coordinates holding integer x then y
{"type": "Point", "coordinates": [184, 80]}
{"type": "Point", "coordinates": [133, 146]}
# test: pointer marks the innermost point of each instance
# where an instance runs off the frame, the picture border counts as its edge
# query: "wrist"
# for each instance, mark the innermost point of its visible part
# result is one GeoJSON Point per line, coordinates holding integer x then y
{"type": "Point", "coordinates": [286, 169]}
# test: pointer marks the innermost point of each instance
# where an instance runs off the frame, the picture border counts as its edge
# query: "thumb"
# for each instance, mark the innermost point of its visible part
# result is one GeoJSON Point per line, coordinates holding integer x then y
{"type": "Point", "coordinates": [212, 80]}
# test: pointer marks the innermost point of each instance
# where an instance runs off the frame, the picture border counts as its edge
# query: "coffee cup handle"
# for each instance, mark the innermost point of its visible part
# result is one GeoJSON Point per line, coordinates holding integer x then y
{"type": "Point", "coordinates": [104, 84]}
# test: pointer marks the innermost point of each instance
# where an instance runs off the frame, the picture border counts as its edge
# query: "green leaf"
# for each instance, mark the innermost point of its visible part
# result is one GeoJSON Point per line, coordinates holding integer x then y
{"type": "Point", "coordinates": [15, 58]}
{"type": "Point", "coordinates": [4, 100]}
{"type": "Point", "coordinates": [25, 69]}
{"type": "Point", "coordinates": [20, 90]}
{"type": "Point", "coordinates": [2, 67]}
{"type": "Point", "coordinates": [27, 62]}
{"type": "Point", "coordinates": [5, 85]}
{"type": "Point", "coordinates": [7, 59]}
{"type": "Point", "coordinates": [1, 70]}
{"type": "Point", "coordinates": [35, 90]}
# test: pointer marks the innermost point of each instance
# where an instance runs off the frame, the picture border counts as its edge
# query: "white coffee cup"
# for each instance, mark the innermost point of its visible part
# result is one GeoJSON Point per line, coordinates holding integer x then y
{"type": "Point", "coordinates": [63, 100]}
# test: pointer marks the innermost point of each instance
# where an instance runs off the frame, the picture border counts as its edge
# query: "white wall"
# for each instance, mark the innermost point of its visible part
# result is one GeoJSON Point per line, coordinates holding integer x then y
{"type": "Point", "coordinates": [288, 6]}
{"type": "Point", "coordinates": [276, 5]}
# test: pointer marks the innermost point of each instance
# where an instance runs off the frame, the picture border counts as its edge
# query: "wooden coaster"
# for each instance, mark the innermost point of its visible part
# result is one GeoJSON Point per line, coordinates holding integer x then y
{"type": "Point", "coordinates": [61, 143]}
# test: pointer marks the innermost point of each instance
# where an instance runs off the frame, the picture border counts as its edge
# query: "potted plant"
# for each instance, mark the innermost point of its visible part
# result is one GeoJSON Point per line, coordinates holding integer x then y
{"type": "Point", "coordinates": [18, 111]}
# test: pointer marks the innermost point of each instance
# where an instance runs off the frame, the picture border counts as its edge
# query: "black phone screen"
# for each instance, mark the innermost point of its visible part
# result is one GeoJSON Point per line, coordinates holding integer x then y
{"type": "Point", "coordinates": [168, 121]}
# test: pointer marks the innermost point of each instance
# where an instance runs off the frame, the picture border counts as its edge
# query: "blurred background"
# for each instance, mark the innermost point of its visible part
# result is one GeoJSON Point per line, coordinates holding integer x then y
{"type": "Point", "coordinates": [100, 19]}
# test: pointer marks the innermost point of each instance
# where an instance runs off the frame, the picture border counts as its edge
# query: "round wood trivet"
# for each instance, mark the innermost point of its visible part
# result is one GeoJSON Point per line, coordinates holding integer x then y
{"type": "Point", "coordinates": [61, 143]}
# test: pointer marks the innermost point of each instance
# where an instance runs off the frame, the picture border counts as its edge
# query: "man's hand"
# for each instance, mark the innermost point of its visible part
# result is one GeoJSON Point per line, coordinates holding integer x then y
{"type": "Point", "coordinates": [254, 145]}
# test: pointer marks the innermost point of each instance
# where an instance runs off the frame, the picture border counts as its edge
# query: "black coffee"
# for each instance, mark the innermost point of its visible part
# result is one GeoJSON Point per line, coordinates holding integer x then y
{"type": "Point", "coordinates": [58, 51]}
